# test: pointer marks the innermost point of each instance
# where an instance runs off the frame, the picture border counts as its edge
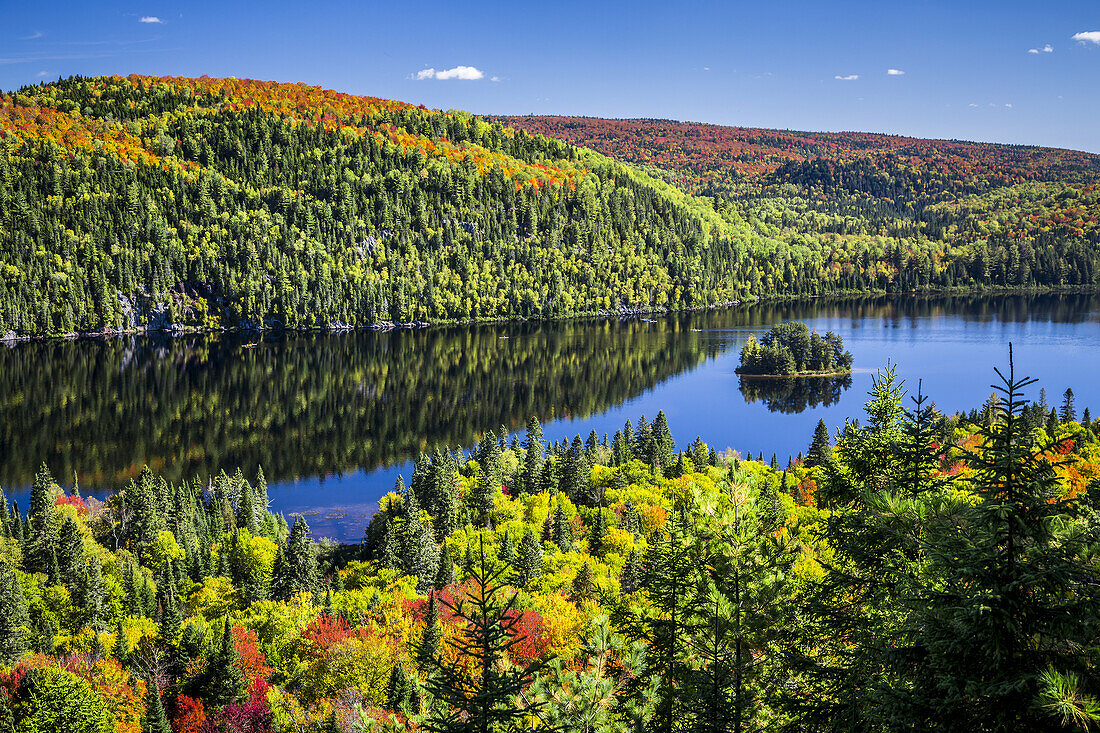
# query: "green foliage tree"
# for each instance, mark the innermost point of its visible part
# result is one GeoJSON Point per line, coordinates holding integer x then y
{"type": "Point", "coordinates": [488, 633]}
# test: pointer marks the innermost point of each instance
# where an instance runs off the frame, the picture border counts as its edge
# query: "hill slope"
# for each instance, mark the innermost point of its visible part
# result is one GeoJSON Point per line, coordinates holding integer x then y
{"type": "Point", "coordinates": [205, 202]}
{"type": "Point", "coordinates": [1007, 211]}
{"type": "Point", "coordinates": [170, 202]}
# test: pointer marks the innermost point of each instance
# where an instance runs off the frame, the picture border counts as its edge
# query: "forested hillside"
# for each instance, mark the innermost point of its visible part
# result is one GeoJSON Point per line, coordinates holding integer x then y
{"type": "Point", "coordinates": [169, 203]}
{"type": "Point", "coordinates": [927, 571]}
{"type": "Point", "coordinates": [1013, 215]}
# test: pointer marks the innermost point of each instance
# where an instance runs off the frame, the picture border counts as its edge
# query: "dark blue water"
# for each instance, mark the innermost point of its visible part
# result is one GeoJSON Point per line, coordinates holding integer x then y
{"type": "Point", "coordinates": [333, 419]}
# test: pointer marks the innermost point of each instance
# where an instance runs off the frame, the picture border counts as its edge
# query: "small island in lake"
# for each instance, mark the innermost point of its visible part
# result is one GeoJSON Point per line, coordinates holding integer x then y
{"type": "Point", "coordinates": [792, 350]}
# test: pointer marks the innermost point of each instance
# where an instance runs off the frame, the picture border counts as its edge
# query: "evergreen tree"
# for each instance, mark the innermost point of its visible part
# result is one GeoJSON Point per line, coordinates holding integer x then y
{"type": "Point", "coordinates": [154, 720]}
{"type": "Point", "coordinates": [147, 516]}
{"type": "Point", "coordinates": [445, 575]}
{"type": "Point", "coordinates": [529, 560]}
{"type": "Point", "coordinates": [562, 533]}
{"type": "Point", "coordinates": [507, 551]}
{"type": "Point", "coordinates": [427, 650]}
{"type": "Point", "coordinates": [301, 560]}
{"type": "Point", "coordinates": [70, 551]}
{"type": "Point", "coordinates": [583, 584]}
{"type": "Point", "coordinates": [597, 533]}
{"type": "Point", "coordinates": [399, 690]}
{"type": "Point", "coordinates": [669, 580]}
{"type": "Point", "coordinates": [221, 682]}
{"type": "Point", "coordinates": [531, 472]}
{"type": "Point", "coordinates": [420, 554]}
{"type": "Point", "coordinates": [14, 620]}
{"type": "Point", "coordinates": [820, 448]}
{"type": "Point", "coordinates": [630, 578]}
{"type": "Point", "coordinates": [1005, 607]}
{"type": "Point", "coordinates": [1069, 407]}
{"type": "Point", "coordinates": [486, 636]}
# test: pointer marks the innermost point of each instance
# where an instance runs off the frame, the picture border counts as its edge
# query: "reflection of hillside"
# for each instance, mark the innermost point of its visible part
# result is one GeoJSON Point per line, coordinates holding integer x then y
{"type": "Point", "coordinates": [302, 405]}
{"type": "Point", "coordinates": [794, 394]}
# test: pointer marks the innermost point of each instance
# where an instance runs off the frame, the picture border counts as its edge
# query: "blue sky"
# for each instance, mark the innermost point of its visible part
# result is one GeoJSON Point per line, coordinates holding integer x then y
{"type": "Point", "coordinates": [972, 70]}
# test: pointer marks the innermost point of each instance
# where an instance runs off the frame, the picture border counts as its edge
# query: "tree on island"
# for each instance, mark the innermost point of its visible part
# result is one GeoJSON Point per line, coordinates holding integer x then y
{"type": "Point", "coordinates": [791, 349]}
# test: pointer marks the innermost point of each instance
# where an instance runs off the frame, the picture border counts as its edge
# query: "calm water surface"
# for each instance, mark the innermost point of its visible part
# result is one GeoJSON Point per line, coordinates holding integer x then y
{"type": "Point", "coordinates": [333, 419]}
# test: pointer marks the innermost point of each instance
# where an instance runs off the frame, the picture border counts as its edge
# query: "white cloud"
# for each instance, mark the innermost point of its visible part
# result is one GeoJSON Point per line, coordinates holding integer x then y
{"type": "Point", "coordinates": [706, 68]}
{"type": "Point", "coordinates": [1045, 49]}
{"type": "Point", "coordinates": [895, 72]}
{"type": "Point", "coordinates": [31, 37]}
{"type": "Point", "coordinates": [972, 104]}
{"type": "Point", "coordinates": [850, 77]}
{"type": "Point", "coordinates": [494, 78]}
{"type": "Point", "coordinates": [1009, 105]}
{"type": "Point", "coordinates": [466, 73]}
{"type": "Point", "coordinates": [42, 74]}
{"type": "Point", "coordinates": [149, 19]}
{"type": "Point", "coordinates": [1088, 37]}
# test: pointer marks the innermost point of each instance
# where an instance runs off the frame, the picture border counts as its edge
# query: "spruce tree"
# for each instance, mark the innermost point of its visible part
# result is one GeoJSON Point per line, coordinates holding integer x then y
{"type": "Point", "coordinates": [529, 559]}
{"type": "Point", "coordinates": [70, 551]}
{"type": "Point", "coordinates": [597, 533]}
{"type": "Point", "coordinates": [820, 447]}
{"type": "Point", "coordinates": [222, 682]}
{"type": "Point", "coordinates": [669, 580]}
{"type": "Point", "coordinates": [14, 620]}
{"type": "Point", "coordinates": [301, 560]}
{"type": "Point", "coordinates": [445, 575]}
{"type": "Point", "coordinates": [507, 552]}
{"type": "Point", "coordinates": [483, 701]}
{"type": "Point", "coordinates": [562, 534]}
{"type": "Point", "coordinates": [420, 554]}
{"type": "Point", "coordinates": [399, 690]}
{"type": "Point", "coordinates": [154, 720]}
{"type": "Point", "coordinates": [583, 584]}
{"type": "Point", "coordinates": [1069, 406]}
{"type": "Point", "coordinates": [531, 471]}
{"type": "Point", "coordinates": [428, 649]}
{"type": "Point", "coordinates": [1005, 607]}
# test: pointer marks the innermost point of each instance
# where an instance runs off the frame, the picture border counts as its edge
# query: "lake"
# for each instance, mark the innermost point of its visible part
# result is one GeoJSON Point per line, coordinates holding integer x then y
{"type": "Point", "coordinates": [334, 418]}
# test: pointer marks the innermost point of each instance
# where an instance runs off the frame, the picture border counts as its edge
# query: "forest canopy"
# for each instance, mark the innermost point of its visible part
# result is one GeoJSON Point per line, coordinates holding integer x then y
{"type": "Point", "coordinates": [588, 585]}
{"type": "Point", "coordinates": [171, 203]}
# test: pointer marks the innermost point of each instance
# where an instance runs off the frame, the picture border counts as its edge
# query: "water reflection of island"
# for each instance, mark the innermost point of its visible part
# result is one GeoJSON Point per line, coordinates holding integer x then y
{"type": "Point", "coordinates": [794, 394]}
